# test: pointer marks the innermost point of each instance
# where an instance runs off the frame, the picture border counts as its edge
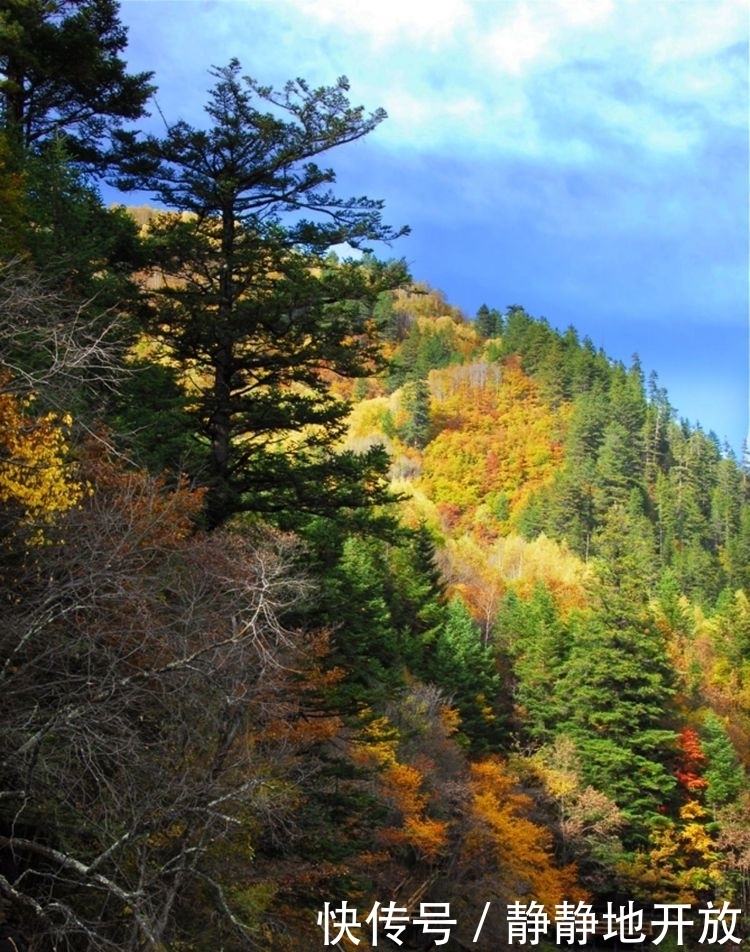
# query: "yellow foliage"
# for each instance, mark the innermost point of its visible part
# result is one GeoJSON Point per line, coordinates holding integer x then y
{"type": "Point", "coordinates": [483, 573]}
{"type": "Point", "coordinates": [366, 418]}
{"type": "Point", "coordinates": [34, 474]}
{"type": "Point", "coordinates": [497, 443]}
{"type": "Point", "coordinates": [682, 864]}
{"type": "Point", "coordinates": [501, 837]}
{"type": "Point", "coordinates": [378, 744]}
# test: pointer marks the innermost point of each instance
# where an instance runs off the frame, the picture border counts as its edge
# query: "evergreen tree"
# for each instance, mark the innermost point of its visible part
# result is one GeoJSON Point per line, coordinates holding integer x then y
{"type": "Point", "coordinates": [489, 322]}
{"type": "Point", "coordinates": [12, 200]}
{"type": "Point", "coordinates": [538, 642]}
{"type": "Point", "coordinates": [251, 306]}
{"type": "Point", "coordinates": [357, 606]}
{"type": "Point", "coordinates": [655, 442]}
{"type": "Point", "coordinates": [90, 251]}
{"type": "Point", "coordinates": [617, 467]}
{"type": "Point", "coordinates": [618, 682]}
{"type": "Point", "coordinates": [724, 774]}
{"type": "Point", "coordinates": [415, 402]}
{"type": "Point", "coordinates": [466, 669]}
{"type": "Point", "coordinates": [61, 72]}
{"type": "Point", "coordinates": [417, 599]}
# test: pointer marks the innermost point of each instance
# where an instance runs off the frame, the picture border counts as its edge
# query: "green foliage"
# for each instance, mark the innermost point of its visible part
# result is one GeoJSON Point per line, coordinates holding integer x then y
{"type": "Point", "coordinates": [422, 350]}
{"type": "Point", "coordinates": [91, 251]}
{"type": "Point", "coordinates": [252, 309]}
{"type": "Point", "coordinates": [415, 402]}
{"type": "Point", "coordinates": [616, 692]}
{"type": "Point", "coordinates": [61, 72]}
{"type": "Point", "coordinates": [539, 642]}
{"type": "Point", "coordinates": [152, 421]}
{"type": "Point", "coordinates": [725, 776]}
{"type": "Point", "coordinates": [466, 670]}
{"type": "Point", "coordinates": [416, 598]}
{"type": "Point", "coordinates": [488, 322]}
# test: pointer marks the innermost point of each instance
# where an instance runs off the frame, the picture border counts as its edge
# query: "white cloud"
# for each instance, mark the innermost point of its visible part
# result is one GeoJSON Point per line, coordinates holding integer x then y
{"type": "Point", "coordinates": [586, 12]}
{"type": "Point", "coordinates": [513, 47]}
{"type": "Point", "coordinates": [555, 79]}
{"type": "Point", "coordinates": [388, 21]}
{"type": "Point", "coordinates": [699, 30]}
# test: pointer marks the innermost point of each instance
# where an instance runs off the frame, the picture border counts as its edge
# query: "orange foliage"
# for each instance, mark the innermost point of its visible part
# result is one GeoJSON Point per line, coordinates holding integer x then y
{"type": "Point", "coordinates": [147, 510]}
{"type": "Point", "coordinates": [403, 791]}
{"type": "Point", "coordinates": [692, 761]}
{"type": "Point", "coordinates": [401, 787]}
{"type": "Point", "coordinates": [295, 718]}
{"type": "Point", "coordinates": [503, 843]}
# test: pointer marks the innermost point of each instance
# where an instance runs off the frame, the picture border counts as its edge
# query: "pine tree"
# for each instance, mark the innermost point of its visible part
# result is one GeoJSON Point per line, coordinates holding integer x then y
{"type": "Point", "coordinates": [724, 774]}
{"type": "Point", "coordinates": [62, 73]}
{"type": "Point", "coordinates": [489, 322]}
{"type": "Point", "coordinates": [618, 682]}
{"type": "Point", "coordinates": [538, 641]}
{"type": "Point", "coordinates": [251, 306]}
{"type": "Point", "coordinates": [415, 402]}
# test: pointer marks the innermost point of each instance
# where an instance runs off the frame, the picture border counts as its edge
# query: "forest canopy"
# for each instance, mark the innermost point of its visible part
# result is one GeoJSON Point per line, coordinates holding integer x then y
{"type": "Point", "coordinates": [316, 589]}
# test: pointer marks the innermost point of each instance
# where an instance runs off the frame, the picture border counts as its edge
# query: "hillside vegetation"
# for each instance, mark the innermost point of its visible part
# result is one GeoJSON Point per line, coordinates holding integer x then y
{"type": "Point", "coordinates": [315, 589]}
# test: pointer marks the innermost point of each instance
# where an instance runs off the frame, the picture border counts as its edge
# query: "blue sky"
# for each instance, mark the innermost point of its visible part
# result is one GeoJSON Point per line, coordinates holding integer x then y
{"type": "Point", "coordinates": [587, 159]}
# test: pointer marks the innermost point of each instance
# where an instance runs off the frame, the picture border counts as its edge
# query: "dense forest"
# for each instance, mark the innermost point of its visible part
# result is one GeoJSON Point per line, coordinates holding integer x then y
{"type": "Point", "coordinates": [331, 615]}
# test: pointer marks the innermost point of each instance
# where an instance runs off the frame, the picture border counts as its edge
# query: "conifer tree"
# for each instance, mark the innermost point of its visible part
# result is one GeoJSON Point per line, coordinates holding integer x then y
{"type": "Point", "coordinates": [489, 322]}
{"type": "Point", "coordinates": [62, 73]}
{"type": "Point", "coordinates": [466, 668]}
{"type": "Point", "coordinates": [250, 305]}
{"type": "Point", "coordinates": [416, 403]}
{"type": "Point", "coordinates": [618, 683]}
{"type": "Point", "coordinates": [724, 774]}
{"type": "Point", "coordinates": [538, 641]}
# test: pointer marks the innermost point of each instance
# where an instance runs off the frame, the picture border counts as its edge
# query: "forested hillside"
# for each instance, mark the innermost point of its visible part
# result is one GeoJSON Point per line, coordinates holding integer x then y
{"type": "Point", "coordinates": [323, 601]}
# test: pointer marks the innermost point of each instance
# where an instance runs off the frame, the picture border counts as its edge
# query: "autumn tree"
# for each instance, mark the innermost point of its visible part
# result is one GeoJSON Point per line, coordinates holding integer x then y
{"type": "Point", "coordinates": [503, 854]}
{"type": "Point", "coordinates": [247, 300]}
{"type": "Point", "coordinates": [67, 353]}
{"type": "Point", "coordinates": [149, 721]}
{"type": "Point", "coordinates": [37, 483]}
{"type": "Point", "coordinates": [585, 822]}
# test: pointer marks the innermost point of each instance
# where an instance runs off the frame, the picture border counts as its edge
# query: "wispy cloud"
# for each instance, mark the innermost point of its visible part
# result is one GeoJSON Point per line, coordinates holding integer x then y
{"type": "Point", "coordinates": [559, 78]}
{"type": "Point", "coordinates": [384, 22]}
{"type": "Point", "coordinates": [588, 158]}
{"type": "Point", "coordinates": [477, 73]}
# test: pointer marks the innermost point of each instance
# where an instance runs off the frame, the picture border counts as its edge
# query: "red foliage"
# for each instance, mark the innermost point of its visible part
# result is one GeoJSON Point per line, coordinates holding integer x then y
{"type": "Point", "coordinates": [691, 761]}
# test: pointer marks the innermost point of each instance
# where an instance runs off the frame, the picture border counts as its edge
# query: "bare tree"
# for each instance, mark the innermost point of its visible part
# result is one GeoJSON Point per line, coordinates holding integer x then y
{"type": "Point", "coordinates": [52, 346]}
{"type": "Point", "coordinates": [143, 662]}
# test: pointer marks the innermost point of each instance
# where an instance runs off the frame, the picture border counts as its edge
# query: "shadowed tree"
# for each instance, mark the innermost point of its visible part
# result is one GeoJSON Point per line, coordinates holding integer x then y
{"type": "Point", "coordinates": [61, 73]}
{"type": "Point", "coordinates": [148, 720]}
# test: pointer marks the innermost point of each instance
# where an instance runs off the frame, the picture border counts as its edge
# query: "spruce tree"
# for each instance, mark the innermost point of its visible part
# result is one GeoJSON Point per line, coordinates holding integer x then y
{"type": "Point", "coordinates": [616, 692]}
